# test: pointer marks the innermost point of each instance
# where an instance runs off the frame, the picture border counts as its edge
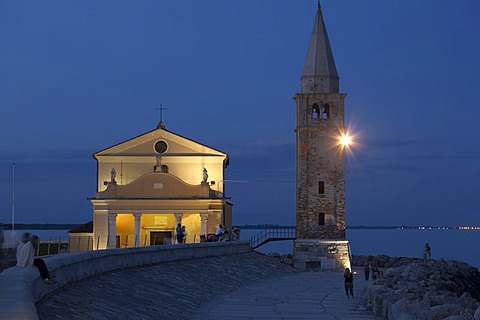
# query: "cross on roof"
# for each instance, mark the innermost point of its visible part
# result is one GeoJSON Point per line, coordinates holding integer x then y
{"type": "Point", "coordinates": [161, 112]}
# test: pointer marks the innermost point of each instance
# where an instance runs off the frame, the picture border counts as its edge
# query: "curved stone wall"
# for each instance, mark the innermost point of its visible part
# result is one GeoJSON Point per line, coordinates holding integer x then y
{"type": "Point", "coordinates": [21, 288]}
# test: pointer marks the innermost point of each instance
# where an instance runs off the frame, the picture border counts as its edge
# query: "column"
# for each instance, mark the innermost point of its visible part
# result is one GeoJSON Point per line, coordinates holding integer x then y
{"type": "Point", "coordinates": [112, 230]}
{"type": "Point", "coordinates": [203, 224]}
{"type": "Point", "coordinates": [136, 228]}
{"type": "Point", "coordinates": [178, 218]}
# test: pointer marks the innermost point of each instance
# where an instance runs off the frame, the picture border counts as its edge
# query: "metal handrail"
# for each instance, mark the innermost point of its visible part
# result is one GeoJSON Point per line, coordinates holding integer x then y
{"type": "Point", "coordinates": [272, 234]}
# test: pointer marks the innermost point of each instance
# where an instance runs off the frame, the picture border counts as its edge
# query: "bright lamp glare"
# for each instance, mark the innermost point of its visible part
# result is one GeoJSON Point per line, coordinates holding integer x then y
{"type": "Point", "coordinates": [345, 140]}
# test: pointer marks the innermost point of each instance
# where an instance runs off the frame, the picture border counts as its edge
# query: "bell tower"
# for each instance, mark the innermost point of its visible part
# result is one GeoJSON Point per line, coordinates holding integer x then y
{"type": "Point", "coordinates": [320, 170]}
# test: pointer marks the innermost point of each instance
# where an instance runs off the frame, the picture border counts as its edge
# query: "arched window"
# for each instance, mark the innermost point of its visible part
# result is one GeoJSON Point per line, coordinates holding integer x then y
{"type": "Point", "coordinates": [315, 112]}
{"type": "Point", "coordinates": [325, 111]}
{"type": "Point", "coordinates": [164, 168]}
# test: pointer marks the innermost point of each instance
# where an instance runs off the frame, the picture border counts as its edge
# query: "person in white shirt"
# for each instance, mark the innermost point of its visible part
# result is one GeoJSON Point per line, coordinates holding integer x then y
{"type": "Point", "coordinates": [26, 258]}
{"type": "Point", "coordinates": [23, 255]}
{"type": "Point", "coordinates": [219, 232]}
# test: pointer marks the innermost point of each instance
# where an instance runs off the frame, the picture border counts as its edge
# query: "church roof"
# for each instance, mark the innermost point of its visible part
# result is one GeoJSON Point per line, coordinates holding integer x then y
{"type": "Point", "coordinates": [319, 63]}
{"type": "Point", "coordinates": [184, 146]}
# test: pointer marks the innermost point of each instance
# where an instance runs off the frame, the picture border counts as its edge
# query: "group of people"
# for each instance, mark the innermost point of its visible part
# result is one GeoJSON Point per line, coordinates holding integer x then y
{"type": "Point", "coordinates": [222, 234]}
{"type": "Point", "coordinates": [373, 269]}
{"type": "Point", "coordinates": [348, 277]}
{"type": "Point", "coordinates": [26, 257]}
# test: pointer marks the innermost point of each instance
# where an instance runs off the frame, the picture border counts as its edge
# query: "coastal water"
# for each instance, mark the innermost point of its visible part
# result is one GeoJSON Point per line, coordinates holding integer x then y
{"type": "Point", "coordinates": [11, 238]}
{"type": "Point", "coordinates": [449, 244]}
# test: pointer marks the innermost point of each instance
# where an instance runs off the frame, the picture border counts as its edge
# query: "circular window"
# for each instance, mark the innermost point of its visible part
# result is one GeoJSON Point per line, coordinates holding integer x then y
{"type": "Point", "coordinates": [161, 147]}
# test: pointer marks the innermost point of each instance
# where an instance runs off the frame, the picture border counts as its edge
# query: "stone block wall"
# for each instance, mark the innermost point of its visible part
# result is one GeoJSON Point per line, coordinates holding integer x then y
{"type": "Point", "coordinates": [320, 211]}
{"type": "Point", "coordinates": [315, 254]}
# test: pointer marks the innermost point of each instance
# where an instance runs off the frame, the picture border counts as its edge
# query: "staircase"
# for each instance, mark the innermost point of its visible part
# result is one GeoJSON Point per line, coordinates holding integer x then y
{"type": "Point", "coordinates": [272, 234]}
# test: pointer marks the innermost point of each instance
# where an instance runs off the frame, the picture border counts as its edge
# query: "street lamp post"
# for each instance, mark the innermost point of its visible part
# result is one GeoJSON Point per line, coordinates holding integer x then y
{"type": "Point", "coordinates": [13, 196]}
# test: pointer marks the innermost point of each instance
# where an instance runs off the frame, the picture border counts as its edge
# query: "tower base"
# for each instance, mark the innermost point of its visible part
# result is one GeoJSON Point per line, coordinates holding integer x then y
{"type": "Point", "coordinates": [322, 255]}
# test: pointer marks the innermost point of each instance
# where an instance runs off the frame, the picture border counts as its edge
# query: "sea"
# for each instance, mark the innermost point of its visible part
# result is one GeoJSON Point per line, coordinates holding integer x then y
{"type": "Point", "coordinates": [448, 244]}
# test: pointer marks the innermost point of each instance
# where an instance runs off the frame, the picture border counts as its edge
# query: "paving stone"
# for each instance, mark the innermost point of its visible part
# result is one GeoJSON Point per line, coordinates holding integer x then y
{"type": "Point", "coordinates": [241, 286]}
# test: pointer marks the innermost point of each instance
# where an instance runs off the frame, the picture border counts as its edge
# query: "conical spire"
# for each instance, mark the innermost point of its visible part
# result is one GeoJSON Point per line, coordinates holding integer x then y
{"type": "Point", "coordinates": [319, 72]}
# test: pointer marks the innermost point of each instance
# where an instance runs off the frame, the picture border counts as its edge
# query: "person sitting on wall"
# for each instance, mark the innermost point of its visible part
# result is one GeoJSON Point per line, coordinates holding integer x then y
{"type": "Point", "coordinates": [26, 257]}
{"type": "Point", "coordinates": [226, 236]}
{"type": "Point", "coordinates": [25, 239]}
{"type": "Point", "coordinates": [235, 234]}
{"type": "Point", "coordinates": [219, 232]}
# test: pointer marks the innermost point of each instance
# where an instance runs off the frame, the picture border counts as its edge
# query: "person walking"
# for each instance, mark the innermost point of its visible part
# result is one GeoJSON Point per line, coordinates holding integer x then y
{"type": "Point", "coordinates": [366, 269]}
{"type": "Point", "coordinates": [348, 277]}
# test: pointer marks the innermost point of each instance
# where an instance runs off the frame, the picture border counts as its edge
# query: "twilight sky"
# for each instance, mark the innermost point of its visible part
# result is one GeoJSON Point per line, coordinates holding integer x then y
{"type": "Point", "coordinates": [79, 76]}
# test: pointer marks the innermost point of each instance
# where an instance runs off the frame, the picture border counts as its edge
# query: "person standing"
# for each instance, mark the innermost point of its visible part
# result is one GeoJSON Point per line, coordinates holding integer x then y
{"type": "Point", "coordinates": [348, 277]}
{"type": "Point", "coordinates": [426, 253]}
{"type": "Point", "coordinates": [366, 269]}
{"type": "Point", "coordinates": [184, 231]}
{"type": "Point", "coordinates": [179, 232]}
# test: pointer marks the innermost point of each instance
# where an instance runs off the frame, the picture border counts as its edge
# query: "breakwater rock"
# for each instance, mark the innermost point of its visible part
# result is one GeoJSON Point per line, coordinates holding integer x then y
{"type": "Point", "coordinates": [413, 289]}
{"type": "Point", "coordinates": [383, 261]}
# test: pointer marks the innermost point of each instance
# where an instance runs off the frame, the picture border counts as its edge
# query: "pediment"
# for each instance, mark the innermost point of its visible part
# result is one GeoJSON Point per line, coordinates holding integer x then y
{"type": "Point", "coordinates": [144, 145]}
{"type": "Point", "coordinates": [158, 185]}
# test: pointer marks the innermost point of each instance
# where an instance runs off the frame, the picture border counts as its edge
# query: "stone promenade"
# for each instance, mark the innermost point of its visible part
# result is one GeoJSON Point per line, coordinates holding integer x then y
{"type": "Point", "coordinates": [307, 295]}
{"type": "Point", "coordinates": [241, 286]}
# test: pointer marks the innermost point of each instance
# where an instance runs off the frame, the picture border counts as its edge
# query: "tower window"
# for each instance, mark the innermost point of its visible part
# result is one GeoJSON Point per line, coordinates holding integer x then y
{"type": "Point", "coordinates": [321, 187]}
{"type": "Point", "coordinates": [315, 112]}
{"type": "Point", "coordinates": [164, 168]}
{"type": "Point", "coordinates": [325, 111]}
{"type": "Point", "coordinates": [321, 219]}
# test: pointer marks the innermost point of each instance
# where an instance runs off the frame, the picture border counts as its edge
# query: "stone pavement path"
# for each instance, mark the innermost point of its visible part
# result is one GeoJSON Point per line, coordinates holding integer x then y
{"type": "Point", "coordinates": [241, 286]}
{"type": "Point", "coordinates": [306, 295]}
{"type": "Point", "coordinates": [170, 290]}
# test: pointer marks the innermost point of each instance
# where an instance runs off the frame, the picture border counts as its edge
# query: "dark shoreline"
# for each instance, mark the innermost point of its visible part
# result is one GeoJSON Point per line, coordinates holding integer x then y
{"type": "Point", "coordinates": [39, 226]}
{"type": "Point", "coordinates": [68, 226]}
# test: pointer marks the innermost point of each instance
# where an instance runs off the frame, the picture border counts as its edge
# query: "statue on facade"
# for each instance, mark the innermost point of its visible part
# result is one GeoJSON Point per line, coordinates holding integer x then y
{"type": "Point", "coordinates": [158, 166]}
{"type": "Point", "coordinates": [113, 174]}
{"type": "Point", "coordinates": [205, 175]}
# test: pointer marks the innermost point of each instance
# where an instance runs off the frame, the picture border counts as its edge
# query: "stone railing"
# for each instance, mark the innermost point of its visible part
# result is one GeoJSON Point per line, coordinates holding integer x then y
{"type": "Point", "coordinates": [21, 288]}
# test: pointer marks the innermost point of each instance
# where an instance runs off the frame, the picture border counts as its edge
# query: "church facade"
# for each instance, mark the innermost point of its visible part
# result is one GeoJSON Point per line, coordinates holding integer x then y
{"type": "Point", "coordinates": [320, 175]}
{"type": "Point", "coordinates": [149, 184]}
